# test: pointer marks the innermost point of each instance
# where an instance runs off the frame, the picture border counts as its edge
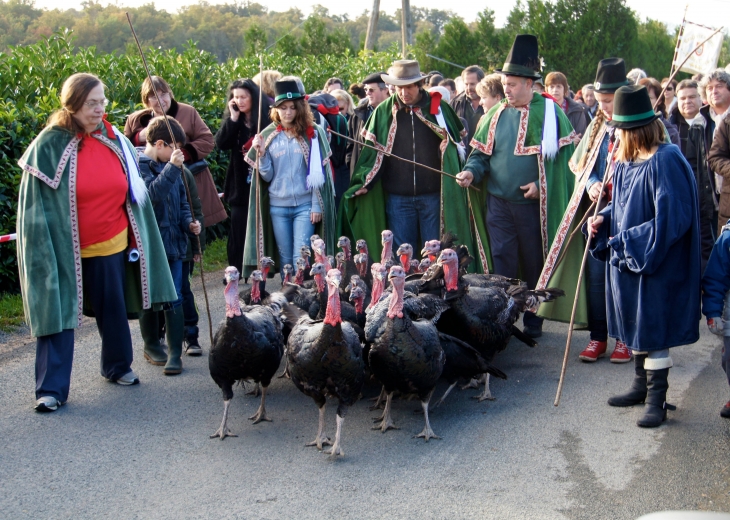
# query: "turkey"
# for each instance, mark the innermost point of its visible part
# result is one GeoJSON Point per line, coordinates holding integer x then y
{"type": "Point", "coordinates": [247, 295]}
{"type": "Point", "coordinates": [386, 256]}
{"type": "Point", "coordinates": [379, 275]}
{"type": "Point", "coordinates": [363, 261]}
{"type": "Point", "coordinates": [424, 264]}
{"type": "Point", "coordinates": [405, 254]}
{"type": "Point", "coordinates": [247, 346]}
{"type": "Point", "coordinates": [357, 297]}
{"type": "Point", "coordinates": [405, 354]}
{"type": "Point", "coordinates": [305, 254]}
{"type": "Point", "coordinates": [484, 317]}
{"type": "Point", "coordinates": [325, 359]}
{"type": "Point", "coordinates": [288, 272]}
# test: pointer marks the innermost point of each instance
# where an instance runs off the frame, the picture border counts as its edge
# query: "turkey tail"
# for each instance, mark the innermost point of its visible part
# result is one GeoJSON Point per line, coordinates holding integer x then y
{"type": "Point", "coordinates": [448, 240]}
{"type": "Point", "coordinates": [538, 296]}
{"type": "Point", "coordinates": [524, 338]}
{"type": "Point", "coordinates": [289, 291]}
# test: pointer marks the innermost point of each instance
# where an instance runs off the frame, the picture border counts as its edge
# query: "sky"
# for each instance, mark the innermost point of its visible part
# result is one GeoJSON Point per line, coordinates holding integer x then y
{"type": "Point", "coordinates": [703, 12]}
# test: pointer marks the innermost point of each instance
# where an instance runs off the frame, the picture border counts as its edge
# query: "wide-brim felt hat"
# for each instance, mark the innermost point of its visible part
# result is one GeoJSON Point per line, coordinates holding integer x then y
{"type": "Point", "coordinates": [286, 90]}
{"type": "Point", "coordinates": [403, 72]}
{"type": "Point", "coordinates": [610, 76]}
{"type": "Point", "coordinates": [632, 108]}
{"type": "Point", "coordinates": [523, 59]}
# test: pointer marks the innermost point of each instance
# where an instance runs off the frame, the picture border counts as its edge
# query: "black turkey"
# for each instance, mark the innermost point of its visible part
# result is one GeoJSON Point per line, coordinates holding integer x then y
{"type": "Point", "coordinates": [325, 359]}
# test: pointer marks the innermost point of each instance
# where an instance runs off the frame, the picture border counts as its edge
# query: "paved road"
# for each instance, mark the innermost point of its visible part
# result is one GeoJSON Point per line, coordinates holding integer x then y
{"type": "Point", "coordinates": [144, 451]}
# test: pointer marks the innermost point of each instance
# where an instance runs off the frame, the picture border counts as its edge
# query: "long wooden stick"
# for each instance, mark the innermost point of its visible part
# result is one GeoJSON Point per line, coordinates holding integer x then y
{"type": "Point", "coordinates": [257, 209]}
{"type": "Point", "coordinates": [399, 158]}
{"type": "Point", "coordinates": [185, 180]}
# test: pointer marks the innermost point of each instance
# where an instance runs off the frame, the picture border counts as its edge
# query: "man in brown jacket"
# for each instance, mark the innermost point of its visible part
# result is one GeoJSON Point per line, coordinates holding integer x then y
{"type": "Point", "coordinates": [719, 159]}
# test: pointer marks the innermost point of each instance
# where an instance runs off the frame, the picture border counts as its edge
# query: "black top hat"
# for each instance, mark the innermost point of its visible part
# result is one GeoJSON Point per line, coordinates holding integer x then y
{"type": "Point", "coordinates": [286, 90]}
{"type": "Point", "coordinates": [632, 107]}
{"type": "Point", "coordinates": [523, 59]}
{"type": "Point", "coordinates": [611, 75]}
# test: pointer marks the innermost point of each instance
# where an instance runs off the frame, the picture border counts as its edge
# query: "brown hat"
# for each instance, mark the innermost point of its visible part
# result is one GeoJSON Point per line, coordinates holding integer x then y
{"type": "Point", "coordinates": [403, 72]}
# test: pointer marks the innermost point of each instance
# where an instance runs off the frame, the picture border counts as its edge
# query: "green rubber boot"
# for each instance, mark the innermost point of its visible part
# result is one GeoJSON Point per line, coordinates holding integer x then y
{"type": "Point", "coordinates": [175, 325]}
{"type": "Point", "coordinates": [154, 353]}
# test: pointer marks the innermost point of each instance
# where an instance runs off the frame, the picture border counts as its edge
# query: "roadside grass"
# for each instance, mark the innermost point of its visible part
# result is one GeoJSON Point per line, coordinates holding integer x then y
{"type": "Point", "coordinates": [11, 312]}
{"type": "Point", "coordinates": [215, 257]}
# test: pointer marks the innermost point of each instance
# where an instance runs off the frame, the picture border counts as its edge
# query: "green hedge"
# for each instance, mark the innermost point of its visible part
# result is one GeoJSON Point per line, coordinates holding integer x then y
{"type": "Point", "coordinates": [31, 78]}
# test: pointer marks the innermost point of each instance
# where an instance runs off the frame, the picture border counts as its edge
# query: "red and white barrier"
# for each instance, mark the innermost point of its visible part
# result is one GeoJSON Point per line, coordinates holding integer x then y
{"type": "Point", "coordinates": [8, 238]}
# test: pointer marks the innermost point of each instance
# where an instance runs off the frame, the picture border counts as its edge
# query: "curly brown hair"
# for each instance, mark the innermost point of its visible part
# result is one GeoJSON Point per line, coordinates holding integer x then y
{"type": "Point", "coordinates": [303, 119]}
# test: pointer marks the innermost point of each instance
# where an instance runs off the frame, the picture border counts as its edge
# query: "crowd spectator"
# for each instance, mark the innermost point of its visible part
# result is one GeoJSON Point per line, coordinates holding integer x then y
{"type": "Point", "coordinates": [265, 81]}
{"type": "Point", "coordinates": [557, 87]}
{"type": "Point", "coordinates": [538, 85]}
{"type": "Point", "coordinates": [333, 84]}
{"type": "Point", "coordinates": [719, 159]}
{"type": "Point", "coordinates": [344, 103]}
{"type": "Point", "coordinates": [434, 78]}
{"type": "Point", "coordinates": [654, 89]}
{"type": "Point", "coordinates": [670, 94]}
{"type": "Point", "coordinates": [375, 92]}
{"type": "Point", "coordinates": [466, 104]}
{"type": "Point", "coordinates": [696, 129]}
{"type": "Point", "coordinates": [634, 75]}
{"type": "Point", "coordinates": [449, 84]}
{"type": "Point", "coordinates": [716, 87]}
{"type": "Point", "coordinates": [162, 168]}
{"type": "Point", "coordinates": [238, 126]}
{"type": "Point", "coordinates": [82, 205]}
{"type": "Point", "coordinates": [589, 100]}
{"type": "Point", "coordinates": [490, 91]}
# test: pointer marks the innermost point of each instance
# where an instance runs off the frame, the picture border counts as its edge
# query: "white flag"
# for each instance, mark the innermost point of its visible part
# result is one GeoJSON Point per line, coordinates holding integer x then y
{"type": "Point", "coordinates": [704, 59]}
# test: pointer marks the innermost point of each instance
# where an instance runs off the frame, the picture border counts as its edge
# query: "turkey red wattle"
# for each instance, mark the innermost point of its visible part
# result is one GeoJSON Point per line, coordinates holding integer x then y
{"type": "Point", "coordinates": [231, 294]}
{"type": "Point", "coordinates": [332, 316]}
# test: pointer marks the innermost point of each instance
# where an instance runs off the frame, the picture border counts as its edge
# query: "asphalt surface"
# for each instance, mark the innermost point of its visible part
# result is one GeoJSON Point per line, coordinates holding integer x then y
{"type": "Point", "coordinates": [144, 451]}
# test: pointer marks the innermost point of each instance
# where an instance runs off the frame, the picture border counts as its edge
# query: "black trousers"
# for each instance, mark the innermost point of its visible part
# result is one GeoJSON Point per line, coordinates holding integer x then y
{"type": "Point", "coordinates": [237, 236]}
{"type": "Point", "coordinates": [516, 243]}
{"type": "Point", "coordinates": [188, 303]}
{"type": "Point", "coordinates": [104, 278]}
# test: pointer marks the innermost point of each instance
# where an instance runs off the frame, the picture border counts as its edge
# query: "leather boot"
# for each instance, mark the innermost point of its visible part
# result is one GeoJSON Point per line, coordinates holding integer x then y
{"type": "Point", "coordinates": [175, 325]}
{"type": "Point", "coordinates": [154, 353]}
{"type": "Point", "coordinates": [637, 392]}
{"type": "Point", "coordinates": [655, 412]}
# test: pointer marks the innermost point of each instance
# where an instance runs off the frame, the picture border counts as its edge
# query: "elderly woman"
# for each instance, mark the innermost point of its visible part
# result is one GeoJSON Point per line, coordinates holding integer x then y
{"type": "Point", "coordinates": [82, 206]}
{"type": "Point", "coordinates": [296, 198]}
{"type": "Point", "coordinates": [344, 102]}
{"type": "Point", "coordinates": [199, 144]}
{"type": "Point", "coordinates": [557, 86]}
{"type": "Point", "coordinates": [649, 237]}
{"type": "Point", "coordinates": [238, 126]}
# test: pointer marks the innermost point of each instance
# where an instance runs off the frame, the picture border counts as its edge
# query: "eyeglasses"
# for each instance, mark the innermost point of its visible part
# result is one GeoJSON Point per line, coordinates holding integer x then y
{"type": "Point", "coordinates": [96, 103]}
{"type": "Point", "coordinates": [372, 90]}
{"type": "Point", "coordinates": [669, 89]}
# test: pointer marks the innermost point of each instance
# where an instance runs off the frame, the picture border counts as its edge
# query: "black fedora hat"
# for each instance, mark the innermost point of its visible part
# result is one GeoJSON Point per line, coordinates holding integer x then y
{"type": "Point", "coordinates": [632, 107]}
{"type": "Point", "coordinates": [286, 90]}
{"type": "Point", "coordinates": [523, 59]}
{"type": "Point", "coordinates": [611, 75]}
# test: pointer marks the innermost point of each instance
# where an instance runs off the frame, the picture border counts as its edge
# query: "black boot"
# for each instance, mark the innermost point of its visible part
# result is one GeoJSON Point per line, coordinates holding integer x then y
{"type": "Point", "coordinates": [175, 325]}
{"type": "Point", "coordinates": [637, 392]}
{"type": "Point", "coordinates": [655, 412]}
{"type": "Point", "coordinates": [154, 352]}
{"type": "Point", "coordinates": [192, 347]}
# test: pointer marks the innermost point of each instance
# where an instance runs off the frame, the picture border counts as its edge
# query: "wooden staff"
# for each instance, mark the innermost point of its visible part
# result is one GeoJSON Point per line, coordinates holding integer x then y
{"type": "Point", "coordinates": [257, 209]}
{"type": "Point", "coordinates": [185, 181]}
{"type": "Point", "coordinates": [588, 242]}
{"type": "Point", "coordinates": [399, 158]}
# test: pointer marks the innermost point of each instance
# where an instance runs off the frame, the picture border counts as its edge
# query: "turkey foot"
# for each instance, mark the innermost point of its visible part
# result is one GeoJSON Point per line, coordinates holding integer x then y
{"type": "Point", "coordinates": [427, 432]}
{"type": "Point", "coordinates": [386, 423]}
{"type": "Point", "coordinates": [378, 401]}
{"type": "Point", "coordinates": [474, 383]}
{"type": "Point", "coordinates": [486, 395]}
{"type": "Point", "coordinates": [449, 389]}
{"type": "Point", "coordinates": [260, 414]}
{"type": "Point", "coordinates": [285, 374]}
{"type": "Point", "coordinates": [223, 431]}
{"type": "Point", "coordinates": [336, 448]}
{"type": "Point", "coordinates": [256, 390]}
{"type": "Point", "coordinates": [321, 438]}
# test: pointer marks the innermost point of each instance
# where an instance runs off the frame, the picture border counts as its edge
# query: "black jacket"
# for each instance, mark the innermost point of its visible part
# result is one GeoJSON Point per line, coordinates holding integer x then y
{"type": "Point", "coordinates": [462, 107]}
{"type": "Point", "coordinates": [354, 128]}
{"type": "Point", "coordinates": [695, 142]}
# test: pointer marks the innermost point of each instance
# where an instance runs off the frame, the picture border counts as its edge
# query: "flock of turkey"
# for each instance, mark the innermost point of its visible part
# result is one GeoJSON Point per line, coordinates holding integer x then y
{"type": "Point", "coordinates": [341, 321]}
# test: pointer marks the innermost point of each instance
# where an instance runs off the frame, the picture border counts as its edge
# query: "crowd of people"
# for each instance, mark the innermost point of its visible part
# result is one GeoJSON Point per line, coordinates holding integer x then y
{"type": "Point", "coordinates": [635, 163]}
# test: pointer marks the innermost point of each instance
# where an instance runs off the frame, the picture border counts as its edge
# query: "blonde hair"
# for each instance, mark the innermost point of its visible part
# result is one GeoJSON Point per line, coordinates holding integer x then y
{"type": "Point", "coordinates": [303, 120]}
{"type": "Point", "coordinates": [633, 141]}
{"type": "Point", "coordinates": [266, 80]}
{"type": "Point", "coordinates": [341, 95]}
{"type": "Point", "coordinates": [73, 96]}
{"type": "Point", "coordinates": [491, 85]}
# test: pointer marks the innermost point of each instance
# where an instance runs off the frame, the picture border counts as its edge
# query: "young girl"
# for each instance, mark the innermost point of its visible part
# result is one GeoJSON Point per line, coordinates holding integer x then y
{"type": "Point", "coordinates": [296, 181]}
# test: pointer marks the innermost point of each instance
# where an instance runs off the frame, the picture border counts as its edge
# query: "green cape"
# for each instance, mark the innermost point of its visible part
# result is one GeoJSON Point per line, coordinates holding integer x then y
{"type": "Point", "coordinates": [266, 241]}
{"type": "Point", "coordinates": [364, 216]}
{"type": "Point", "coordinates": [49, 251]}
{"type": "Point", "coordinates": [555, 182]}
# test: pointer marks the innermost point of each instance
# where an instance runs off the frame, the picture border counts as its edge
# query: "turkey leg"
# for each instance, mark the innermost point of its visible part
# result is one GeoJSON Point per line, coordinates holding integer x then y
{"type": "Point", "coordinates": [256, 390]}
{"type": "Point", "coordinates": [427, 432]}
{"type": "Point", "coordinates": [448, 390]}
{"type": "Point", "coordinates": [378, 400]}
{"type": "Point", "coordinates": [260, 414]}
{"type": "Point", "coordinates": [487, 394]}
{"type": "Point", "coordinates": [336, 447]}
{"type": "Point", "coordinates": [386, 423]}
{"type": "Point", "coordinates": [321, 438]}
{"type": "Point", "coordinates": [223, 431]}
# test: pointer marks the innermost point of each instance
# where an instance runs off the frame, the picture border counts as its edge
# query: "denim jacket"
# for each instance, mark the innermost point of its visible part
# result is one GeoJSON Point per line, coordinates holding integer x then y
{"type": "Point", "coordinates": [167, 193]}
{"type": "Point", "coordinates": [284, 167]}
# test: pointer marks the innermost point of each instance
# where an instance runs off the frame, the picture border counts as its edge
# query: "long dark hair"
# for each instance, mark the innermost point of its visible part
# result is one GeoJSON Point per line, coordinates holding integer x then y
{"type": "Point", "coordinates": [253, 90]}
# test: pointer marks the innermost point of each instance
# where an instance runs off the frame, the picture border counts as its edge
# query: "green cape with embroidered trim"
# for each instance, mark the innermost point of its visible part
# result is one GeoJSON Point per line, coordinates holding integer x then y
{"type": "Point", "coordinates": [49, 252]}
{"type": "Point", "coordinates": [266, 241]}
{"type": "Point", "coordinates": [364, 216]}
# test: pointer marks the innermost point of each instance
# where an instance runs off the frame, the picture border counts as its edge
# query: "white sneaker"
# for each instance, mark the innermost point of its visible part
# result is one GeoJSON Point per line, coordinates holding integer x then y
{"type": "Point", "coordinates": [47, 404]}
{"type": "Point", "coordinates": [128, 379]}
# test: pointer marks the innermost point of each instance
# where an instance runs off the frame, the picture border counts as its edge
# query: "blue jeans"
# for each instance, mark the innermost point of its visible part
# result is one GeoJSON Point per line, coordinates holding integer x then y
{"type": "Point", "coordinates": [292, 229]}
{"type": "Point", "coordinates": [176, 270]}
{"type": "Point", "coordinates": [407, 214]}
